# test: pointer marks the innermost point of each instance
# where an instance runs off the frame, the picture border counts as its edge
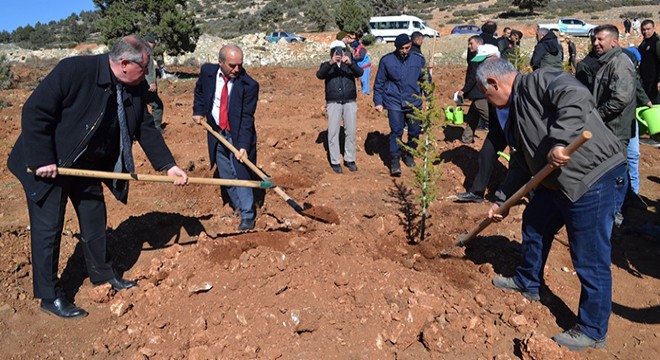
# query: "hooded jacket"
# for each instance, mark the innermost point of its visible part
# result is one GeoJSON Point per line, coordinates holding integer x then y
{"type": "Point", "coordinates": [548, 53]}
{"type": "Point", "coordinates": [550, 108]}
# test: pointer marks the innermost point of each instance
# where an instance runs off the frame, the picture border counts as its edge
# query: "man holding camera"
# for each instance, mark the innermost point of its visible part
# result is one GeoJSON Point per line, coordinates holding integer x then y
{"type": "Point", "coordinates": [339, 74]}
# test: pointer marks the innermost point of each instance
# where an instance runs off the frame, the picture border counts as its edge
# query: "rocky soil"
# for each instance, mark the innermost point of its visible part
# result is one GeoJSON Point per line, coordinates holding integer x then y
{"type": "Point", "coordinates": [296, 288]}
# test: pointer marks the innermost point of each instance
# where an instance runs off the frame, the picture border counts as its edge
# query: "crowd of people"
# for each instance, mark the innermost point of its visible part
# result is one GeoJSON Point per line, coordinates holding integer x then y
{"type": "Point", "coordinates": [89, 109]}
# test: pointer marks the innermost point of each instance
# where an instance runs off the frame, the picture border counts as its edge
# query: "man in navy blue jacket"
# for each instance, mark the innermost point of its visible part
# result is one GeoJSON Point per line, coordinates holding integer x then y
{"type": "Point", "coordinates": [396, 84]}
{"type": "Point", "coordinates": [237, 125]}
{"type": "Point", "coordinates": [72, 119]}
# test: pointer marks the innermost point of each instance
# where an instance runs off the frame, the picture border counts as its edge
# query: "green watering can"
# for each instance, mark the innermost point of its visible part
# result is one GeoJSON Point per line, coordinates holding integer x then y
{"type": "Point", "coordinates": [458, 115]}
{"type": "Point", "coordinates": [648, 119]}
{"type": "Point", "coordinates": [449, 114]}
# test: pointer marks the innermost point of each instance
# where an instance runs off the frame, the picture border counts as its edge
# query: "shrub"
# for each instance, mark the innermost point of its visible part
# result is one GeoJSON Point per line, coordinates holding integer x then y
{"type": "Point", "coordinates": [368, 39]}
{"type": "Point", "coordinates": [6, 75]}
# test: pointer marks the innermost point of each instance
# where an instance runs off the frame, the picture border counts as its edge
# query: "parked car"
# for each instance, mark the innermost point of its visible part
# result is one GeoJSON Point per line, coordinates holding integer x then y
{"type": "Point", "coordinates": [570, 26]}
{"type": "Point", "coordinates": [466, 29]}
{"type": "Point", "coordinates": [275, 36]}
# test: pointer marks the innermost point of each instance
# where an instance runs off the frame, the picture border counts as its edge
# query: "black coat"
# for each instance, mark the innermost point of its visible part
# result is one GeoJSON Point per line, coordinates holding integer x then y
{"type": "Point", "coordinates": [471, 89]}
{"type": "Point", "coordinates": [339, 81]}
{"type": "Point", "coordinates": [243, 101]}
{"type": "Point", "coordinates": [62, 115]}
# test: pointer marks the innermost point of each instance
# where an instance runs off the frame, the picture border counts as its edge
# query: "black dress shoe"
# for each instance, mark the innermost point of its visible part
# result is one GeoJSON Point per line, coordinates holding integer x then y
{"type": "Point", "coordinates": [336, 168]}
{"type": "Point", "coordinates": [351, 165]}
{"type": "Point", "coordinates": [246, 224]}
{"type": "Point", "coordinates": [118, 283]}
{"type": "Point", "coordinates": [395, 168]}
{"type": "Point", "coordinates": [61, 307]}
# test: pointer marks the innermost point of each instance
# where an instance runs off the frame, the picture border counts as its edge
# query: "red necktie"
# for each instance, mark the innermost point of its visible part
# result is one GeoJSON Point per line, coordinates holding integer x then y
{"type": "Point", "coordinates": [224, 105]}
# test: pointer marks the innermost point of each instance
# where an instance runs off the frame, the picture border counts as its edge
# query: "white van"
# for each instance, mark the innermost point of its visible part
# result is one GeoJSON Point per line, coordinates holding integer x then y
{"type": "Point", "coordinates": [387, 28]}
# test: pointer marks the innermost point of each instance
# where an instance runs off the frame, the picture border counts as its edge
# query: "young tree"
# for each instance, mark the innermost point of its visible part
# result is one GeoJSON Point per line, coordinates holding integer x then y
{"type": "Point", "coordinates": [6, 76]}
{"type": "Point", "coordinates": [530, 4]}
{"type": "Point", "coordinates": [169, 20]}
{"type": "Point", "coordinates": [353, 16]}
{"type": "Point", "coordinates": [427, 171]}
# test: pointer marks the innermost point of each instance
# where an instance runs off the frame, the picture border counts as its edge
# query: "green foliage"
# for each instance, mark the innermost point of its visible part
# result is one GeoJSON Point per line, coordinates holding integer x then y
{"type": "Point", "coordinates": [317, 13]}
{"type": "Point", "coordinates": [169, 20]}
{"type": "Point", "coordinates": [368, 39]}
{"type": "Point", "coordinates": [636, 14]}
{"type": "Point", "coordinates": [353, 16]}
{"type": "Point", "coordinates": [5, 37]}
{"type": "Point", "coordinates": [41, 36]}
{"type": "Point", "coordinates": [427, 171]}
{"type": "Point", "coordinates": [519, 60]}
{"type": "Point", "coordinates": [530, 4]}
{"type": "Point", "coordinates": [387, 7]}
{"type": "Point", "coordinates": [6, 76]}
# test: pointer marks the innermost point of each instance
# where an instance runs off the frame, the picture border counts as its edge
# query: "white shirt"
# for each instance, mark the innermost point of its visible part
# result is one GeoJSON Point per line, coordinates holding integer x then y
{"type": "Point", "coordinates": [219, 83]}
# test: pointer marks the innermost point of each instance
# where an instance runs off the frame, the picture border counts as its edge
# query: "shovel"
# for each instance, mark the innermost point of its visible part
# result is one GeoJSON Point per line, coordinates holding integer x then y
{"type": "Point", "coordinates": [159, 178]}
{"type": "Point", "coordinates": [299, 209]}
{"type": "Point", "coordinates": [464, 239]}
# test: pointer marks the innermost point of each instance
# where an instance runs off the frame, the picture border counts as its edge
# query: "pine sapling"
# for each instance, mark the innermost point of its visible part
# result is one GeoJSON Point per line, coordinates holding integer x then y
{"type": "Point", "coordinates": [427, 171]}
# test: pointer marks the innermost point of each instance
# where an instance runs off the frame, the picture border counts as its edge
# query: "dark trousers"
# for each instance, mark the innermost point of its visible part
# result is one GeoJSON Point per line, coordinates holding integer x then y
{"type": "Point", "coordinates": [397, 121]}
{"type": "Point", "coordinates": [46, 223]}
{"type": "Point", "coordinates": [156, 107]}
{"type": "Point", "coordinates": [495, 141]}
{"type": "Point", "coordinates": [651, 90]}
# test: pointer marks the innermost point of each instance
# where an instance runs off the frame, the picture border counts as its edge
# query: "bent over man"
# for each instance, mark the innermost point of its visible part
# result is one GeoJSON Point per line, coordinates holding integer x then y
{"type": "Point", "coordinates": [84, 114]}
{"type": "Point", "coordinates": [226, 98]}
{"type": "Point", "coordinates": [543, 112]}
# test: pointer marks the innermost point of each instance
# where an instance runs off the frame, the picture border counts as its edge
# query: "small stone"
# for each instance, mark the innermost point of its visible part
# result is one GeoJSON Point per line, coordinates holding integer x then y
{"type": "Point", "coordinates": [565, 269]}
{"type": "Point", "coordinates": [119, 308]}
{"type": "Point", "coordinates": [518, 320]}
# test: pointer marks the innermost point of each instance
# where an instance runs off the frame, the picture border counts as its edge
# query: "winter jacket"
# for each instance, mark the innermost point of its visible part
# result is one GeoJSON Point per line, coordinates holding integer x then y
{"type": "Point", "coordinates": [550, 108]}
{"type": "Point", "coordinates": [397, 81]}
{"type": "Point", "coordinates": [548, 53]}
{"type": "Point", "coordinates": [649, 67]}
{"type": "Point", "coordinates": [471, 90]}
{"type": "Point", "coordinates": [339, 81]}
{"type": "Point", "coordinates": [63, 114]}
{"type": "Point", "coordinates": [614, 91]}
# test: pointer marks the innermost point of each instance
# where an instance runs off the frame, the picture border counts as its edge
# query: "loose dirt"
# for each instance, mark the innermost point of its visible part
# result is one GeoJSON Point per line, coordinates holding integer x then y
{"type": "Point", "coordinates": [296, 288]}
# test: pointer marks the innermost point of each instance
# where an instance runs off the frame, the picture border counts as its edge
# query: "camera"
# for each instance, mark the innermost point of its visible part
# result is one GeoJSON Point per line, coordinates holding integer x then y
{"type": "Point", "coordinates": [339, 52]}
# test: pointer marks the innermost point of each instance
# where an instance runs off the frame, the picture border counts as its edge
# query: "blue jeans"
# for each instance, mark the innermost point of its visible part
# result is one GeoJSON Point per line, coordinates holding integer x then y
{"type": "Point", "coordinates": [589, 223]}
{"type": "Point", "coordinates": [241, 197]}
{"type": "Point", "coordinates": [397, 120]}
{"type": "Point", "coordinates": [364, 80]}
{"type": "Point", "coordinates": [633, 161]}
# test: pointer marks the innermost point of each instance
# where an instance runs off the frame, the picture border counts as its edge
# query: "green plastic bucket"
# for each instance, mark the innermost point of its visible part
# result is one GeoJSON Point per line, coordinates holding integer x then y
{"type": "Point", "coordinates": [649, 119]}
{"type": "Point", "coordinates": [458, 115]}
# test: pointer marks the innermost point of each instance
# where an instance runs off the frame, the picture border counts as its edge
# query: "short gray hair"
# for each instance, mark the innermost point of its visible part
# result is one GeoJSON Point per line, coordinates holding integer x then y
{"type": "Point", "coordinates": [222, 54]}
{"type": "Point", "coordinates": [493, 68]}
{"type": "Point", "coordinates": [542, 31]}
{"type": "Point", "coordinates": [130, 48]}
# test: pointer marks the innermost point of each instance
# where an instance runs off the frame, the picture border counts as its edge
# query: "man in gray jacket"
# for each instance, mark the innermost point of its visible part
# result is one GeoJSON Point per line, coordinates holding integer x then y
{"type": "Point", "coordinates": [542, 113]}
{"type": "Point", "coordinates": [614, 83]}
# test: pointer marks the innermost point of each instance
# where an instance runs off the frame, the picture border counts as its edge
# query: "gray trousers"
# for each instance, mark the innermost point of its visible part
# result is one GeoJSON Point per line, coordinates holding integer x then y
{"type": "Point", "coordinates": [337, 112]}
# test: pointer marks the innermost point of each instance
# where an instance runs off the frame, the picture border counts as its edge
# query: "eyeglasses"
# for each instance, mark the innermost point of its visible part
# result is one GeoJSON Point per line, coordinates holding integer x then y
{"type": "Point", "coordinates": [143, 66]}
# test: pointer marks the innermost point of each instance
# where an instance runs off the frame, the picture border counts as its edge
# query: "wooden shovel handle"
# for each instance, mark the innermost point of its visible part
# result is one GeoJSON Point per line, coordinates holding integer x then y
{"type": "Point", "coordinates": [531, 184]}
{"type": "Point", "coordinates": [252, 166]}
{"type": "Point", "coordinates": [158, 178]}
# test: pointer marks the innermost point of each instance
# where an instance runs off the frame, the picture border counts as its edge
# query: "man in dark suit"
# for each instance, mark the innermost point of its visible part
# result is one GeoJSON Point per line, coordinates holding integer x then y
{"type": "Point", "coordinates": [84, 114]}
{"type": "Point", "coordinates": [226, 96]}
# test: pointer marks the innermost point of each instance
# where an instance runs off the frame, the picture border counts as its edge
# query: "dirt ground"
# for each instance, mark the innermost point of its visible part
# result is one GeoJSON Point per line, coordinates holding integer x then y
{"type": "Point", "coordinates": [296, 288]}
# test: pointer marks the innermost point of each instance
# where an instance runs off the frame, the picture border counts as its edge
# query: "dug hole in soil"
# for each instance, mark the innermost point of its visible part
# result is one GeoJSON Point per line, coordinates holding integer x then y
{"type": "Point", "coordinates": [296, 288]}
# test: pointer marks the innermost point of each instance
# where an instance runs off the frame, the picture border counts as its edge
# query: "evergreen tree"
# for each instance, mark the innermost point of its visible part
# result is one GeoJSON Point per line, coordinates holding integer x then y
{"type": "Point", "coordinates": [41, 36]}
{"type": "Point", "coordinates": [169, 20]}
{"type": "Point", "coordinates": [353, 16]}
{"type": "Point", "coordinates": [316, 11]}
{"type": "Point", "coordinates": [530, 4]}
{"type": "Point", "coordinates": [6, 76]}
{"type": "Point", "coordinates": [5, 37]}
{"type": "Point", "coordinates": [387, 7]}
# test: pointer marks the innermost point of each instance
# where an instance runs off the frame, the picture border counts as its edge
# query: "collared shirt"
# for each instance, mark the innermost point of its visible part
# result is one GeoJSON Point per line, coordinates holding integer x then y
{"type": "Point", "coordinates": [219, 83]}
